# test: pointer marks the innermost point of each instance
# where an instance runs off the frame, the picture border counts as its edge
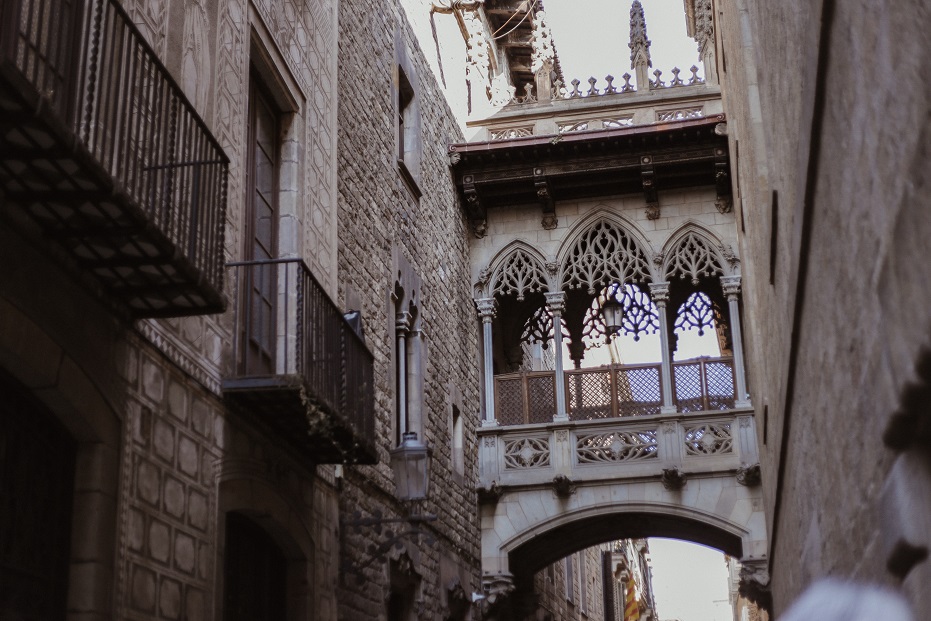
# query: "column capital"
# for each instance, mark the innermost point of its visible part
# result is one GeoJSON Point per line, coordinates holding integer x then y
{"type": "Point", "coordinates": [402, 322]}
{"type": "Point", "coordinates": [556, 301]}
{"type": "Point", "coordinates": [731, 285]}
{"type": "Point", "coordinates": [659, 291]}
{"type": "Point", "coordinates": [486, 308]}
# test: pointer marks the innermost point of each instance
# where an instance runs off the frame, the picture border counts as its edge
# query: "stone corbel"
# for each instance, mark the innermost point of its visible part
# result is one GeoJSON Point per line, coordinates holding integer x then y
{"type": "Point", "coordinates": [749, 475]}
{"type": "Point", "coordinates": [547, 204]}
{"type": "Point", "coordinates": [722, 181]}
{"type": "Point", "coordinates": [474, 207]}
{"type": "Point", "coordinates": [673, 478]}
{"type": "Point", "coordinates": [563, 486]}
{"type": "Point", "coordinates": [648, 180]}
{"type": "Point", "coordinates": [489, 495]}
{"type": "Point", "coordinates": [754, 583]}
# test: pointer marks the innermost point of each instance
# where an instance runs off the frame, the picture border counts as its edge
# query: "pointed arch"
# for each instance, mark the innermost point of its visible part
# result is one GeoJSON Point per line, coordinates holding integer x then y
{"type": "Point", "coordinates": [517, 270]}
{"type": "Point", "coordinates": [692, 253]}
{"type": "Point", "coordinates": [604, 249]}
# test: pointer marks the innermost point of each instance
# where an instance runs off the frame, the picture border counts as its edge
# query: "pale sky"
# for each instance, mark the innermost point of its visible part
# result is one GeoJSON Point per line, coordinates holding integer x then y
{"type": "Point", "coordinates": [689, 581]}
{"type": "Point", "coordinates": [591, 36]}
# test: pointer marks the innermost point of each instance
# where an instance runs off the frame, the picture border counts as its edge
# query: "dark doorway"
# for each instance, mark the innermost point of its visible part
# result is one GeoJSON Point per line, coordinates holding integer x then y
{"type": "Point", "coordinates": [37, 461]}
{"type": "Point", "coordinates": [255, 573]}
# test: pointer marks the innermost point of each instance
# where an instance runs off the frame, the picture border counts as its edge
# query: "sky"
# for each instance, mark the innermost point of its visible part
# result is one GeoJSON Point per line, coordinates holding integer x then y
{"type": "Point", "coordinates": [689, 581]}
{"type": "Point", "coordinates": [591, 37]}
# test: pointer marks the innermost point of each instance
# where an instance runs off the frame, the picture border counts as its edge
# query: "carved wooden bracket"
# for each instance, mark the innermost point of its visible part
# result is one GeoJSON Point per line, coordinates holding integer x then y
{"type": "Point", "coordinates": [546, 199]}
{"type": "Point", "coordinates": [474, 207]}
{"type": "Point", "coordinates": [722, 181]}
{"type": "Point", "coordinates": [648, 181]}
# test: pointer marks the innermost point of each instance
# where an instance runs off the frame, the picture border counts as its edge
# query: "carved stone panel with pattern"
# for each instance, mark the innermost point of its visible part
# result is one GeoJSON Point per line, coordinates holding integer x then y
{"type": "Point", "coordinates": [617, 446]}
{"type": "Point", "coordinates": [526, 453]}
{"type": "Point", "coordinates": [708, 439]}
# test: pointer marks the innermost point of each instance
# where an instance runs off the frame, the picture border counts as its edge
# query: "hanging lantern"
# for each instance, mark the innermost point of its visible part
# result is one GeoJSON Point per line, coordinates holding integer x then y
{"type": "Point", "coordinates": [411, 465]}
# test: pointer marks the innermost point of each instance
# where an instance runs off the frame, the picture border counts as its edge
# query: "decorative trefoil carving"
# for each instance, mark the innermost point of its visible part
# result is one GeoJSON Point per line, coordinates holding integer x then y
{"type": "Point", "coordinates": [709, 439]}
{"type": "Point", "coordinates": [526, 453]}
{"type": "Point", "coordinates": [616, 447]}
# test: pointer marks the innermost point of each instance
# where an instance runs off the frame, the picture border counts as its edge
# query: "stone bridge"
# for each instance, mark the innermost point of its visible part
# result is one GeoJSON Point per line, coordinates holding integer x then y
{"type": "Point", "coordinates": [550, 489]}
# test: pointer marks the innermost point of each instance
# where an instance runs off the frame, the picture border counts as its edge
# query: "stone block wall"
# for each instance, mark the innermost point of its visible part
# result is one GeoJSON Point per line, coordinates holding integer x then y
{"type": "Point", "coordinates": [383, 229]}
{"type": "Point", "coordinates": [827, 102]}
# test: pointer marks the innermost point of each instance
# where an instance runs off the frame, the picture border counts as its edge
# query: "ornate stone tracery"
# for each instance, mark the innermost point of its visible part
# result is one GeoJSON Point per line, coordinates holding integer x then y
{"type": "Point", "coordinates": [519, 274]}
{"type": "Point", "coordinates": [602, 255]}
{"type": "Point", "coordinates": [693, 257]}
{"type": "Point", "coordinates": [696, 313]}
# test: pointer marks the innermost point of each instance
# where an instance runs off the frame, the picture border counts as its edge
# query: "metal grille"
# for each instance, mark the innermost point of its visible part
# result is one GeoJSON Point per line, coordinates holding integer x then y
{"type": "Point", "coordinates": [638, 391]}
{"type": "Point", "coordinates": [719, 382]}
{"type": "Point", "coordinates": [509, 403]}
{"type": "Point", "coordinates": [541, 393]}
{"type": "Point", "coordinates": [589, 395]}
{"type": "Point", "coordinates": [687, 380]}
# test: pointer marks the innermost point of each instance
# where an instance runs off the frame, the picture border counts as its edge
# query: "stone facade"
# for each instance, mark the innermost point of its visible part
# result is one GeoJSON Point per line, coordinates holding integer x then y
{"type": "Point", "coordinates": [162, 458]}
{"type": "Point", "coordinates": [830, 192]}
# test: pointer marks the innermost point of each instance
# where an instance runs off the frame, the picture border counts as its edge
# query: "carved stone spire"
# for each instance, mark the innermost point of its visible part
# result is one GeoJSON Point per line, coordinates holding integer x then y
{"type": "Point", "coordinates": [639, 45]}
{"type": "Point", "coordinates": [543, 55]}
{"type": "Point", "coordinates": [704, 36]}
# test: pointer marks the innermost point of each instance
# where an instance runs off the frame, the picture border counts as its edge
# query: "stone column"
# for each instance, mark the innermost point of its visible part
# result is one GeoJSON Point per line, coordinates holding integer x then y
{"type": "Point", "coordinates": [486, 310]}
{"type": "Point", "coordinates": [556, 304]}
{"type": "Point", "coordinates": [414, 382]}
{"type": "Point", "coordinates": [731, 286]}
{"type": "Point", "coordinates": [660, 293]}
{"type": "Point", "coordinates": [402, 327]}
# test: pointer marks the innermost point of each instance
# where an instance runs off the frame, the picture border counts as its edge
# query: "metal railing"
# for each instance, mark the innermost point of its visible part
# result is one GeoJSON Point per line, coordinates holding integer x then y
{"type": "Point", "coordinates": [287, 325]}
{"type": "Point", "coordinates": [615, 391]}
{"type": "Point", "coordinates": [112, 91]}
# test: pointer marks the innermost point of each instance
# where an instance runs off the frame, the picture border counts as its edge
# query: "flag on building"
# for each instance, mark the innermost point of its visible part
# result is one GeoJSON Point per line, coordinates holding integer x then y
{"type": "Point", "coordinates": [631, 605]}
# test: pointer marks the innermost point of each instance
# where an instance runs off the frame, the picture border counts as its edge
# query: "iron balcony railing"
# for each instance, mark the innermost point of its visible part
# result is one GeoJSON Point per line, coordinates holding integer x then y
{"type": "Point", "coordinates": [288, 328]}
{"type": "Point", "coordinates": [615, 391]}
{"type": "Point", "coordinates": [108, 88]}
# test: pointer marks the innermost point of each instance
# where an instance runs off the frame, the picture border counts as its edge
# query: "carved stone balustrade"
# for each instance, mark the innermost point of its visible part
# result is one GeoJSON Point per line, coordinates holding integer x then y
{"type": "Point", "coordinates": [588, 451]}
{"type": "Point", "coordinates": [613, 106]}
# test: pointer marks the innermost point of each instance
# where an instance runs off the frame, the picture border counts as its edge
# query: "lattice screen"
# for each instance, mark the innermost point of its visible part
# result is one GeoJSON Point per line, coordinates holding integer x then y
{"type": "Point", "coordinates": [541, 391]}
{"type": "Point", "coordinates": [589, 395]}
{"type": "Point", "coordinates": [509, 401]}
{"type": "Point", "coordinates": [720, 384]}
{"type": "Point", "coordinates": [687, 380]}
{"type": "Point", "coordinates": [638, 391]}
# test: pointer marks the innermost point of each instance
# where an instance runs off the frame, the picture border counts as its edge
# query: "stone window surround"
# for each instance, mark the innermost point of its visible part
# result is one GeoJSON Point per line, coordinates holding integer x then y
{"type": "Point", "coordinates": [405, 99]}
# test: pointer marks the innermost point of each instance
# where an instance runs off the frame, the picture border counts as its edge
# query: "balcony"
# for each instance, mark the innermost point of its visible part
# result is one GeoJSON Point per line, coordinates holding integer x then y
{"type": "Point", "coordinates": [615, 391]}
{"type": "Point", "coordinates": [616, 424]}
{"type": "Point", "coordinates": [100, 148]}
{"type": "Point", "coordinates": [302, 370]}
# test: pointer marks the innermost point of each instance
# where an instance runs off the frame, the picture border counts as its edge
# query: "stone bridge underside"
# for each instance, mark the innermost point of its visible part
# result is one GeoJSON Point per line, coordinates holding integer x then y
{"type": "Point", "coordinates": [537, 508]}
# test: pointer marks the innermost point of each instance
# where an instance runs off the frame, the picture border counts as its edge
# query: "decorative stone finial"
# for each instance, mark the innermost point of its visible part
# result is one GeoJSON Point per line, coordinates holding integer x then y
{"type": "Point", "coordinates": [639, 44]}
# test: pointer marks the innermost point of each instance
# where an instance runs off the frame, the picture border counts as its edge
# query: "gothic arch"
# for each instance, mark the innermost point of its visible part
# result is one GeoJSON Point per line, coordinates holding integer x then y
{"type": "Point", "coordinates": [693, 251]}
{"type": "Point", "coordinates": [517, 269]}
{"type": "Point", "coordinates": [601, 249]}
{"type": "Point", "coordinates": [36, 360]}
{"type": "Point", "coordinates": [530, 540]}
{"type": "Point", "coordinates": [256, 497]}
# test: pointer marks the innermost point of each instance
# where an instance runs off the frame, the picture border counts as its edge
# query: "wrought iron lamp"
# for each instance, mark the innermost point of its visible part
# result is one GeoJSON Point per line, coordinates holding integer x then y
{"type": "Point", "coordinates": [410, 462]}
{"type": "Point", "coordinates": [613, 313]}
